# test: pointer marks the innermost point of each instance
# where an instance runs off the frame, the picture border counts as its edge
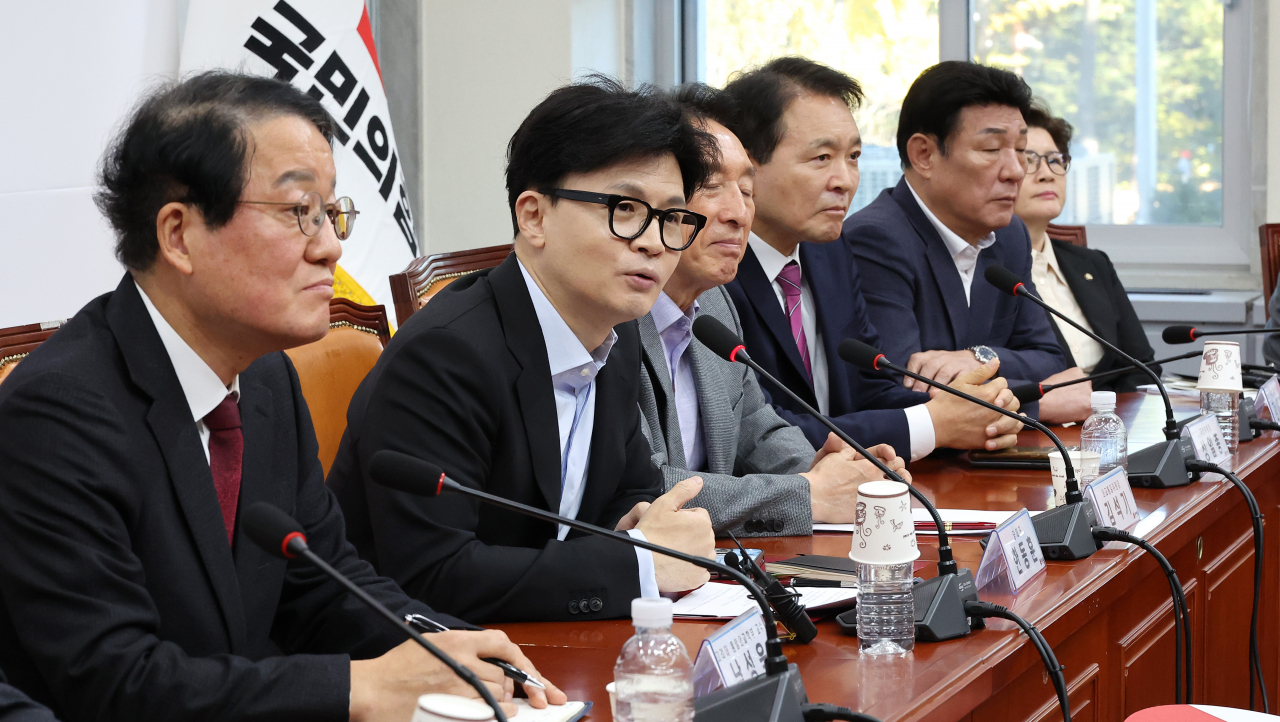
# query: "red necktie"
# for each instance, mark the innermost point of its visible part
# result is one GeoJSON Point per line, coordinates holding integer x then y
{"type": "Point", "coordinates": [226, 449]}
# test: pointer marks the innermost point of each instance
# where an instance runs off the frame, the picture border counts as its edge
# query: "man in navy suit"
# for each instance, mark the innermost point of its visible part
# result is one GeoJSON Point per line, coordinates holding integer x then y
{"type": "Point", "coordinates": [924, 245]}
{"type": "Point", "coordinates": [798, 293]}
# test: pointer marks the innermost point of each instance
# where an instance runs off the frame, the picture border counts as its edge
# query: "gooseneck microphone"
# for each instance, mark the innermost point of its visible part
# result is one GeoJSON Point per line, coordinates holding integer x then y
{"type": "Point", "coordinates": [1064, 531]}
{"type": "Point", "coordinates": [1179, 334]}
{"type": "Point", "coordinates": [1161, 465]}
{"type": "Point", "coordinates": [939, 601]}
{"type": "Point", "coordinates": [280, 535]}
{"type": "Point", "coordinates": [1026, 393]}
{"type": "Point", "coordinates": [778, 693]}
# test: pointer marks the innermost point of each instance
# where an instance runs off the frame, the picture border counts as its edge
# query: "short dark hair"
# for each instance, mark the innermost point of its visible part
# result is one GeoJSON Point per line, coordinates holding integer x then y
{"type": "Point", "coordinates": [189, 142]}
{"type": "Point", "coordinates": [935, 99]}
{"type": "Point", "coordinates": [707, 103]}
{"type": "Point", "coordinates": [1040, 116]}
{"type": "Point", "coordinates": [764, 94]}
{"type": "Point", "coordinates": [596, 123]}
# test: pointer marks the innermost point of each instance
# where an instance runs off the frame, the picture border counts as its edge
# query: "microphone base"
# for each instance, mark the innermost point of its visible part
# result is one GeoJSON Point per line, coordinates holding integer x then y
{"type": "Point", "coordinates": [1066, 532]}
{"type": "Point", "coordinates": [940, 607]}
{"type": "Point", "coordinates": [771, 698]}
{"type": "Point", "coordinates": [1163, 465]}
{"type": "Point", "coordinates": [1248, 414]}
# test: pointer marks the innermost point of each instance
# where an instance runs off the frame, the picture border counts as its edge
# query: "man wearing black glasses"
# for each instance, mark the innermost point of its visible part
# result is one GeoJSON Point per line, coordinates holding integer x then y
{"type": "Point", "coordinates": [133, 440]}
{"type": "Point", "coordinates": [524, 380]}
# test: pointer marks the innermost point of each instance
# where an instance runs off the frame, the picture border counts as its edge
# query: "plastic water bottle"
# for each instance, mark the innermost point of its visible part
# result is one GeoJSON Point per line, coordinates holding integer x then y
{"type": "Point", "coordinates": [1104, 434]}
{"type": "Point", "coordinates": [1225, 405]}
{"type": "Point", "coordinates": [653, 678]}
{"type": "Point", "coordinates": [886, 609]}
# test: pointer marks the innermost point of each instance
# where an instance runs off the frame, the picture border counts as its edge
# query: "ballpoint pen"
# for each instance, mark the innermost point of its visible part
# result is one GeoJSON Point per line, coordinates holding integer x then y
{"type": "Point", "coordinates": [427, 625]}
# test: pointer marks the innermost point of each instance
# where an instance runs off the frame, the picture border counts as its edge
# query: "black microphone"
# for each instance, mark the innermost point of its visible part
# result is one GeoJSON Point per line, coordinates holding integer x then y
{"type": "Point", "coordinates": [1178, 334]}
{"type": "Point", "coordinates": [754, 699]}
{"type": "Point", "coordinates": [1064, 532]}
{"type": "Point", "coordinates": [939, 601]}
{"type": "Point", "coordinates": [280, 535]}
{"type": "Point", "coordinates": [1026, 393]}
{"type": "Point", "coordinates": [1161, 465]}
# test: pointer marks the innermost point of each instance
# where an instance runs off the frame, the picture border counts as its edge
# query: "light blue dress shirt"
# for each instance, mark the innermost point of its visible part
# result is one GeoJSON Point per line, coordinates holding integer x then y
{"type": "Point", "coordinates": [675, 328]}
{"type": "Point", "coordinates": [573, 376]}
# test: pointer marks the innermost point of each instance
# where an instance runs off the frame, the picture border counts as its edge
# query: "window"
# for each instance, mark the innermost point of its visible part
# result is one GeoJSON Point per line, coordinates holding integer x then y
{"type": "Point", "coordinates": [1158, 91]}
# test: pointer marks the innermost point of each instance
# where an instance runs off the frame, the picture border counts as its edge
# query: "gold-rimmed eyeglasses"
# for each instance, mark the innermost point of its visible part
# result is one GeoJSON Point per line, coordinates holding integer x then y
{"type": "Point", "coordinates": [311, 211]}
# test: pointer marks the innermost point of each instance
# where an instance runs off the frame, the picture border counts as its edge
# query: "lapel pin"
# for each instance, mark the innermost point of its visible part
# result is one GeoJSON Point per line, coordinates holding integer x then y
{"type": "Point", "coordinates": [1088, 276]}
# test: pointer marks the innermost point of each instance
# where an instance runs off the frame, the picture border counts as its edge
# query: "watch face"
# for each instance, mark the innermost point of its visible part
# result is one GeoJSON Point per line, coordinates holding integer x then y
{"type": "Point", "coordinates": [984, 354]}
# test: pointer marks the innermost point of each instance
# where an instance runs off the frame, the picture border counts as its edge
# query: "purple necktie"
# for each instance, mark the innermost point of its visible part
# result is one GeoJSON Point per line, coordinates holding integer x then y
{"type": "Point", "coordinates": [226, 450]}
{"type": "Point", "coordinates": [789, 281]}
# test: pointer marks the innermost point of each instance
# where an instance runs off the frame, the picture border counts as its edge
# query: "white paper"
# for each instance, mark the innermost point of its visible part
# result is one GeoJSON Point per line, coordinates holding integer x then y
{"type": "Point", "coordinates": [1185, 389]}
{"type": "Point", "coordinates": [737, 648]}
{"type": "Point", "coordinates": [920, 514]}
{"type": "Point", "coordinates": [550, 713]}
{"type": "Point", "coordinates": [1113, 501]}
{"type": "Point", "coordinates": [731, 600]}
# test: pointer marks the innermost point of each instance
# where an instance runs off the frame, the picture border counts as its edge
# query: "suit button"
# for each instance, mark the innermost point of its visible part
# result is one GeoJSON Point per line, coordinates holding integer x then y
{"type": "Point", "coordinates": [775, 525]}
{"type": "Point", "coordinates": [573, 607]}
{"type": "Point", "coordinates": [585, 606]}
{"type": "Point", "coordinates": [596, 604]}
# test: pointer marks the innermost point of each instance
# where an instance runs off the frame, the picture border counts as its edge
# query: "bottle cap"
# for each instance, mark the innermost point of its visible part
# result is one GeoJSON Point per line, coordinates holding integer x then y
{"type": "Point", "coordinates": [651, 612]}
{"type": "Point", "coordinates": [1099, 399]}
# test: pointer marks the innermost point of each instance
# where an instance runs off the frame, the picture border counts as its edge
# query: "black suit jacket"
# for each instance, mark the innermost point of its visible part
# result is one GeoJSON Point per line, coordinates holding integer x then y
{"type": "Point", "coordinates": [868, 406]}
{"type": "Point", "coordinates": [1093, 281]}
{"type": "Point", "coordinates": [17, 707]}
{"type": "Point", "coordinates": [916, 297]}
{"type": "Point", "coordinates": [465, 384]}
{"type": "Point", "coordinates": [120, 598]}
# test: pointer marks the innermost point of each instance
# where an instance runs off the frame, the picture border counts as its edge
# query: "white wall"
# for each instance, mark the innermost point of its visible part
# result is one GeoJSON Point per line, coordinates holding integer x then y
{"type": "Point", "coordinates": [76, 68]}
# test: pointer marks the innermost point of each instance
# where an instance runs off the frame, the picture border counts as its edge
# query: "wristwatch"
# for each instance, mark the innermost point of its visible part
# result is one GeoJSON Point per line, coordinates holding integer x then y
{"type": "Point", "coordinates": [984, 354]}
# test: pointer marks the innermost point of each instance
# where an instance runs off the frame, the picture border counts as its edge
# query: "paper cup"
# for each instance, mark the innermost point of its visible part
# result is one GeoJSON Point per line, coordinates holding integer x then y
{"type": "Point", "coordinates": [1220, 367]}
{"type": "Point", "coordinates": [1084, 463]}
{"type": "Point", "coordinates": [612, 689]}
{"type": "Point", "coordinates": [450, 708]}
{"type": "Point", "coordinates": [885, 532]}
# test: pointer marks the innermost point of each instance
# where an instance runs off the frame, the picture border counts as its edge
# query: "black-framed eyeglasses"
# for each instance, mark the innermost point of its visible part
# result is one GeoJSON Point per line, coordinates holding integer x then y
{"type": "Point", "coordinates": [311, 211]}
{"type": "Point", "coordinates": [630, 217]}
{"type": "Point", "coordinates": [1058, 162]}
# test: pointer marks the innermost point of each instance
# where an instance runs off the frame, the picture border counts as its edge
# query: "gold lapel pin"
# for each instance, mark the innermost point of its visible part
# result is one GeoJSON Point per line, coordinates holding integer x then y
{"type": "Point", "coordinates": [1088, 276]}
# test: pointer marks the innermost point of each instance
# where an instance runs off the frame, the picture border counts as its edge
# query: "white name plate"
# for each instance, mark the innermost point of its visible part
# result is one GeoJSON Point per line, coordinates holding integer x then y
{"type": "Point", "coordinates": [1112, 498]}
{"type": "Point", "coordinates": [1269, 397]}
{"type": "Point", "coordinates": [1206, 437]}
{"type": "Point", "coordinates": [1012, 556]}
{"type": "Point", "coordinates": [732, 654]}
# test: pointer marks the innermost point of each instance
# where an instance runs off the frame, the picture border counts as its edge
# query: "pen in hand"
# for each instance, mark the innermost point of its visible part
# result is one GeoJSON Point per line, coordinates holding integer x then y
{"type": "Point", "coordinates": [427, 625]}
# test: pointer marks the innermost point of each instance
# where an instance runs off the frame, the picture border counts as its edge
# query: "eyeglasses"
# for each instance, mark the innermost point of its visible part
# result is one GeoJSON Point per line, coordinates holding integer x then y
{"type": "Point", "coordinates": [312, 209]}
{"type": "Point", "coordinates": [630, 217]}
{"type": "Point", "coordinates": [1058, 162]}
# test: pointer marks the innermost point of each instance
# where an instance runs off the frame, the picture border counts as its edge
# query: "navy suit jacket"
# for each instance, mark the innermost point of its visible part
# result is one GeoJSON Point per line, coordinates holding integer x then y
{"type": "Point", "coordinates": [868, 406]}
{"type": "Point", "coordinates": [913, 287]}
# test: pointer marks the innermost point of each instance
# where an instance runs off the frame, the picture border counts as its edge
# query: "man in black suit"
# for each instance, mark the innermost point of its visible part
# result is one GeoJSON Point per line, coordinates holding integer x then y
{"type": "Point", "coordinates": [924, 245]}
{"type": "Point", "coordinates": [798, 293]}
{"type": "Point", "coordinates": [134, 437]}
{"type": "Point", "coordinates": [17, 707]}
{"type": "Point", "coordinates": [524, 381]}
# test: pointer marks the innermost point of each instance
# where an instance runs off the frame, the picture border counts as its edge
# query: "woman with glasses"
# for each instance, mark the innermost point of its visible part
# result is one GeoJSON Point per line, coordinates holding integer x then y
{"type": "Point", "coordinates": [1079, 281]}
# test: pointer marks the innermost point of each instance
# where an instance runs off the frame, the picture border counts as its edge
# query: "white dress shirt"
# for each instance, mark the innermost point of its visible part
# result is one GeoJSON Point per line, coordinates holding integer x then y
{"type": "Point", "coordinates": [1051, 283]}
{"type": "Point", "coordinates": [573, 377]}
{"type": "Point", "coordinates": [201, 386]}
{"type": "Point", "coordinates": [963, 253]}
{"type": "Point", "coordinates": [675, 328]}
{"type": "Point", "coordinates": [919, 421]}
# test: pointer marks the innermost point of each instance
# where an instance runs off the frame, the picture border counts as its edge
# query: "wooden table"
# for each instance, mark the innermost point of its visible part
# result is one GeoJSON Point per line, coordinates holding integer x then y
{"type": "Point", "coordinates": [1108, 617]}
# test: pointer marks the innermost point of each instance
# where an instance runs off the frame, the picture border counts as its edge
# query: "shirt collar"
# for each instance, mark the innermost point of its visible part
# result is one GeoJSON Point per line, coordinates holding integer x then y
{"type": "Point", "coordinates": [666, 313]}
{"type": "Point", "coordinates": [770, 259]}
{"type": "Point", "coordinates": [955, 244]}
{"type": "Point", "coordinates": [1050, 257]}
{"type": "Point", "coordinates": [568, 359]}
{"type": "Point", "coordinates": [201, 386]}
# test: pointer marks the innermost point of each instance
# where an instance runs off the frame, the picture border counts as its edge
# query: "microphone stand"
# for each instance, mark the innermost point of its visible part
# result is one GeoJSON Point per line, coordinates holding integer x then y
{"type": "Point", "coordinates": [776, 696]}
{"type": "Point", "coordinates": [939, 602]}
{"type": "Point", "coordinates": [1159, 466]}
{"type": "Point", "coordinates": [1065, 532]}
{"type": "Point", "coordinates": [1027, 393]}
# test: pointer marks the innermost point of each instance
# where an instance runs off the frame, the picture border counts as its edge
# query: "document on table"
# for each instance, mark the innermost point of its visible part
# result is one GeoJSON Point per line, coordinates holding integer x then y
{"type": "Point", "coordinates": [729, 600]}
{"type": "Point", "coordinates": [988, 519]}
{"type": "Point", "coordinates": [567, 712]}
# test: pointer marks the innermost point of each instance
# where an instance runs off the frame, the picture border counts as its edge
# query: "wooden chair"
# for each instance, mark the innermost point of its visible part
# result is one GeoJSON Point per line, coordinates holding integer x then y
{"type": "Point", "coordinates": [330, 370]}
{"type": "Point", "coordinates": [1269, 237]}
{"type": "Point", "coordinates": [1071, 234]}
{"type": "Point", "coordinates": [426, 276]}
{"type": "Point", "coordinates": [18, 341]}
